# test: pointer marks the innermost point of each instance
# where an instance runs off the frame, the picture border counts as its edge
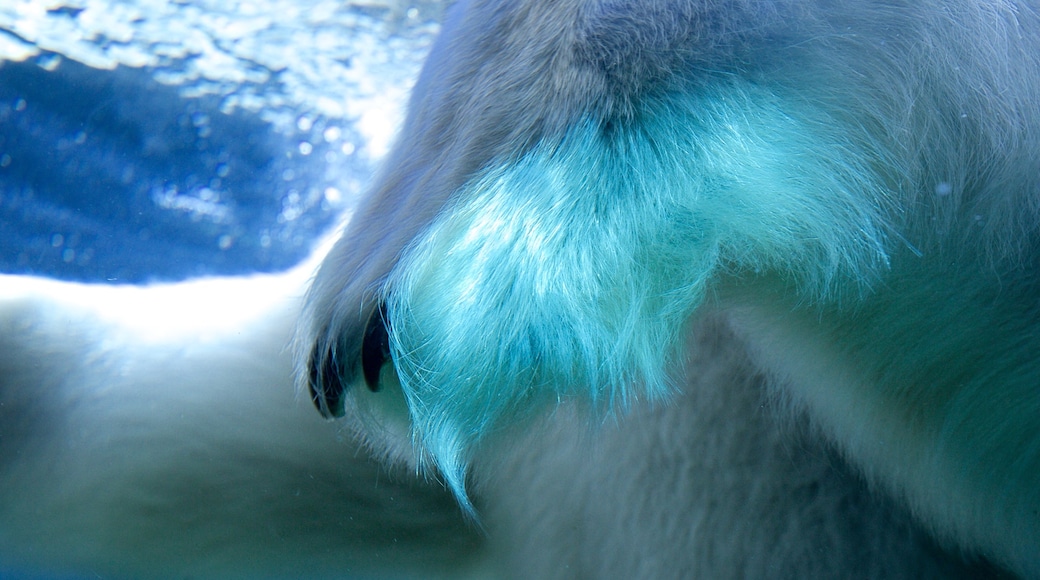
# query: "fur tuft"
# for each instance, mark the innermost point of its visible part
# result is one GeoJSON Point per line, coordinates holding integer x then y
{"type": "Point", "coordinates": [571, 272]}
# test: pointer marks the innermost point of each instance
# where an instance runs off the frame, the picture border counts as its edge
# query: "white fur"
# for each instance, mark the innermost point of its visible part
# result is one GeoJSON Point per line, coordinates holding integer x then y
{"type": "Point", "coordinates": [153, 432]}
{"type": "Point", "coordinates": [148, 432]}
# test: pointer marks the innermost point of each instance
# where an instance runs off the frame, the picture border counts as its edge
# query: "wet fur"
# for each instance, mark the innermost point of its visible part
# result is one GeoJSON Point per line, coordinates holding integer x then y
{"type": "Point", "coordinates": [843, 191]}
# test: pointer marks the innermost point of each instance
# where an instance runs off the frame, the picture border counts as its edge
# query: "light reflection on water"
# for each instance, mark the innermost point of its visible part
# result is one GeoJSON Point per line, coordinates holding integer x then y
{"type": "Point", "coordinates": [161, 141]}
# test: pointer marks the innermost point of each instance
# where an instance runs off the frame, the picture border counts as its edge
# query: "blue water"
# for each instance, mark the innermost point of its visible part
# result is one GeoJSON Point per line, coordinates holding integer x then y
{"type": "Point", "coordinates": [143, 142]}
{"type": "Point", "coordinates": [111, 176]}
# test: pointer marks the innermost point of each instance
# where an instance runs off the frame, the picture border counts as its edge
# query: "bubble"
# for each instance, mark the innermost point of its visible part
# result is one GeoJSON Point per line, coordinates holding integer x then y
{"type": "Point", "coordinates": [332, 134]}
{"type": "Point", "coordinates": [333, 195]}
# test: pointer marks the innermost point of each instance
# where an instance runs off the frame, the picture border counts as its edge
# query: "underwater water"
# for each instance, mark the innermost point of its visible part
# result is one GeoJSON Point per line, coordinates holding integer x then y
{"type": "Point", "coordinates": [148, 140]}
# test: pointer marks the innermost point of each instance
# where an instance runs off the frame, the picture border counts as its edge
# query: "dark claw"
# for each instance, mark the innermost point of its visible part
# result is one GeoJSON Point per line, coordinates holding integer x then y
{"type": "Point", "coordinates": [375, 350]}
{"type": "Point", "coordinates": [326, 382]}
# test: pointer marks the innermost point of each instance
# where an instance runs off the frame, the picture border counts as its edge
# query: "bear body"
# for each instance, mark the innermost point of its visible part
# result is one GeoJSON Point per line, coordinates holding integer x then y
{"type": "Point", "coordinates": [153, 432]}
{"type": "Point", "coordinates": [844, 191]}
{"type": "Point", "coordinates": [657, 288]}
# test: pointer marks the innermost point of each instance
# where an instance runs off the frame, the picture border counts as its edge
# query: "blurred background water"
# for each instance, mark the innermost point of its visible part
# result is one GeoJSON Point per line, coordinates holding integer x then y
{"type": "Point", "coordinates": [145, 140]}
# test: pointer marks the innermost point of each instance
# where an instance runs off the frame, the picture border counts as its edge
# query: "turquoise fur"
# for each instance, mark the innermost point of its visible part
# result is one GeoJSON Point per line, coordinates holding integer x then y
{"type": "Point", "coordinates": [570, 271]}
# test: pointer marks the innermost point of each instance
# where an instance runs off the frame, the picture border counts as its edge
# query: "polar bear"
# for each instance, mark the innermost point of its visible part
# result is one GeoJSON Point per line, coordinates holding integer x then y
{"type": "Point", "coordinates": [656, 289]}
{"type": "Point", "coordinates": [679, 288]}
{"type": "Point", "coordinates": [153, 432]}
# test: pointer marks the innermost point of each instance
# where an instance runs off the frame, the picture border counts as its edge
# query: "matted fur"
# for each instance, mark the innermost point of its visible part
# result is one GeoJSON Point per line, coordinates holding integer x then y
{"type": "Point", "coordinates": [852, 184]}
